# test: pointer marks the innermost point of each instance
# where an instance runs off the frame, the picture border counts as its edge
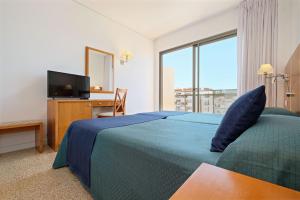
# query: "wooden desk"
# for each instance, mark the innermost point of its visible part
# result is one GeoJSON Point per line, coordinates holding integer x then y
{"type": "Point", "coordinates": [61, 113]}
{"type": "Point", "coordinates": [12, 127]}
{"type": "Point", "coordinates": [214, 183]}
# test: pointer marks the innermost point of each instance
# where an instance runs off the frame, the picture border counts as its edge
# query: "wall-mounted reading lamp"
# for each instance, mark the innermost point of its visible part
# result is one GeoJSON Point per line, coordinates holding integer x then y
{"type": "Point", "coordinates": [267, 71]}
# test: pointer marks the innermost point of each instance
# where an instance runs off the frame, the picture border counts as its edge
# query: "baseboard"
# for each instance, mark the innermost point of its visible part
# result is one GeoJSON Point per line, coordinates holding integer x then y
{"type": "Point", "coordinates": [17, 147]}
{"type": "Point", "coordinates": [18, 141]}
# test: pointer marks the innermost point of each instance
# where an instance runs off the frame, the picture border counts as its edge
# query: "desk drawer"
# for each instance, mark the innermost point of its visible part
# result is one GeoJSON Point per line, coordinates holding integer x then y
{"type": "Point", "coordinates": [102, 103]}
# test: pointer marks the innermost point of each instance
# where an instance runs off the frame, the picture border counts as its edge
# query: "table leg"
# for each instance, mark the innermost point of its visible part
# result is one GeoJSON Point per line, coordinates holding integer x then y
{"type": "Point", "coordinates": [39, 138]}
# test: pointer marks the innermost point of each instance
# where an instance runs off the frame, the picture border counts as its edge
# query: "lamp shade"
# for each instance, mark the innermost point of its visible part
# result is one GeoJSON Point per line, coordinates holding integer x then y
{"type": "Point", "coordinates": [126, 55]}
{"type": "Point", "coordinates": [265, 69]}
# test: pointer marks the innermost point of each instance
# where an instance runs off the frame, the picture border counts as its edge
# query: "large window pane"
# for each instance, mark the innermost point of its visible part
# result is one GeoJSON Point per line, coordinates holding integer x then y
{"type": "Point", "coordinates": [177, 80]}
{"type": "Point", "coordinates": [218, 75]}
{"type": "Point", "coordinates": [201, 78]}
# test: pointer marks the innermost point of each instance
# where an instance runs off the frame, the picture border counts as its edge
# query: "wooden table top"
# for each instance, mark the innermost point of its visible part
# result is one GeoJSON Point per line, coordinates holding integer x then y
{"type": "Point", "coordinates": [209, 182]}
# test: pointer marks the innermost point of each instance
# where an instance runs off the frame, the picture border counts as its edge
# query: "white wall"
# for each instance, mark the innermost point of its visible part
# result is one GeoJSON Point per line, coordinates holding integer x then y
{"type": "Point", "coordinates": [51, 35]}
{"type": "Point", "coordinates": [1, 55]}
{"type": "Point", "coordinates": [288, 36]}
{"type": "Point", "coordinates": [224, 22]}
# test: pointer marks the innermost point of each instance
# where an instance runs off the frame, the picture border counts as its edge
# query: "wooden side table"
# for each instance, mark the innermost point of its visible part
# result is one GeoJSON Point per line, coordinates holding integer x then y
{"type": "Point", "coordinates": [214, 183]}
{"type": "Point", "coordinates": [6, 128]}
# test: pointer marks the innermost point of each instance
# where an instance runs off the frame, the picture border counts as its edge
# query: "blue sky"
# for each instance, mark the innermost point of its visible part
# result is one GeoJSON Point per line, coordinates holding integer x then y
{"type": "Point", "coordinates": [218, 65]}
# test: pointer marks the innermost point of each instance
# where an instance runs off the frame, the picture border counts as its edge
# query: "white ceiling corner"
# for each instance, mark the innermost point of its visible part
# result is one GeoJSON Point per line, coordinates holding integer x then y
{"type": "Point", "coordinates": [154, 18]}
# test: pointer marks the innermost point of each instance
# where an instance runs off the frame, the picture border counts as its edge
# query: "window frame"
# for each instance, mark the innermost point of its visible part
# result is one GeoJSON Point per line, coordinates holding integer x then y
{"type": "Point", "coordinates": [195, 45]}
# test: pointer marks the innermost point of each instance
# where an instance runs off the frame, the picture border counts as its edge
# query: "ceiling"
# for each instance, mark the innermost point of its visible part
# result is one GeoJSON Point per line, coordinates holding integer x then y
{"type": "Point", "coordinates": [154, 18]}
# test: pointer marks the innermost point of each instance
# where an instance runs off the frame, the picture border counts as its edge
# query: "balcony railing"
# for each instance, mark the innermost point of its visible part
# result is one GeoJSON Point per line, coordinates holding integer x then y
{"type": "Point", "coordinates": [211, 101]}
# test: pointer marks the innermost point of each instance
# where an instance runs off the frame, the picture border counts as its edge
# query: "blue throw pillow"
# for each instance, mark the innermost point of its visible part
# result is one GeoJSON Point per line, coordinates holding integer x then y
{"type": "Point", "coordinates": [242, 114]}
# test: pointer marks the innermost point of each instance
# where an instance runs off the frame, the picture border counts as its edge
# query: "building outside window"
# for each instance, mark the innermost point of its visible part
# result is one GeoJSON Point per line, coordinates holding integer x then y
{"type": "Point", "coordinates": [200, 77]}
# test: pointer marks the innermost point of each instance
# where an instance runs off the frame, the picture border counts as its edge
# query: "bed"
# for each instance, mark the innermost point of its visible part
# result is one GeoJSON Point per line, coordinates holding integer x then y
{"type": "Point", "coordinates": [152, 157]}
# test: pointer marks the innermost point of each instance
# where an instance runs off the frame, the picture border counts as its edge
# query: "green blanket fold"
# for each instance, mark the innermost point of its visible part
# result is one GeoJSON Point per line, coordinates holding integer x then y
{"type": "Point", "coordinates": [61, 156]}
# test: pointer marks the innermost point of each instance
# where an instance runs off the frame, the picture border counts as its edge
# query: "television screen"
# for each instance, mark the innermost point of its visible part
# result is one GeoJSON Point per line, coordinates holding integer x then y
{"type": "Point", "coordinates": [63, 85]}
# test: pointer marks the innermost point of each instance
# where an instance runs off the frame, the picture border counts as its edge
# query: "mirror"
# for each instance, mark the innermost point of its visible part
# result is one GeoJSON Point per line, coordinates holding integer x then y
{"type": "Point", "coordinates": [99, 66]}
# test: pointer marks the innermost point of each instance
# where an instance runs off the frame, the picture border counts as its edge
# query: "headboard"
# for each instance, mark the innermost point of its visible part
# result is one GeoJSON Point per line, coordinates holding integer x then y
{"type": "Point", "coordinates": [292, 89]}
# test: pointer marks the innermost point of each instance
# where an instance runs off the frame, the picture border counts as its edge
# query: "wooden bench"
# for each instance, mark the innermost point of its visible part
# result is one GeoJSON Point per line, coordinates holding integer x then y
{"type": "Point", "coordinates": [10, 127]}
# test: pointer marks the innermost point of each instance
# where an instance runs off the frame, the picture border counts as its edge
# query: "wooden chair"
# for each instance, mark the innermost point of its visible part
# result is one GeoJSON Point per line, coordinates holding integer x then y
{"type": "Point", "coordinates": [119, 104]}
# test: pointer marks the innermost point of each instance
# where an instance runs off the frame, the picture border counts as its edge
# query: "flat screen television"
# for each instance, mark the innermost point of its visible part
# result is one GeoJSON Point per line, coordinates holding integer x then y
{"type": "Point", "coordinates": [63, 85]}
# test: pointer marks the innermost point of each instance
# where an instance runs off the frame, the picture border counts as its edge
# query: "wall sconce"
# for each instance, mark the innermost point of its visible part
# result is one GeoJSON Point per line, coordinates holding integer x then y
{"type": "Point", "coordinates": [267, 71]}
{"type": "Point", "coordinates": [125, 57]}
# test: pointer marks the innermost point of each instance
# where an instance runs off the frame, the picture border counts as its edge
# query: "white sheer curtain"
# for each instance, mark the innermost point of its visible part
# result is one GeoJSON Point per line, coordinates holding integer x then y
{"type": "Point", "coordinates": [257, 43]}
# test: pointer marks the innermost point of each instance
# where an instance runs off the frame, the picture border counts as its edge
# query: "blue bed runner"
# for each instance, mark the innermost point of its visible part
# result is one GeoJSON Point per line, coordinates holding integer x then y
{"type": "Point", "coordinates": [82, 134]}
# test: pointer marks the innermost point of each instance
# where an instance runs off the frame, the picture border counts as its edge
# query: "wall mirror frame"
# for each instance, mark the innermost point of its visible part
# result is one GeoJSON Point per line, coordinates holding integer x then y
{"type": "Point", "coordinates": [101, 75]}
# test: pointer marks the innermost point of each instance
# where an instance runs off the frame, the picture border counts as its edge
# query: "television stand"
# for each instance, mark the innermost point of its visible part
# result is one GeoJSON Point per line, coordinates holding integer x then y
{"type": "Point", "coordinates": [62, 112]}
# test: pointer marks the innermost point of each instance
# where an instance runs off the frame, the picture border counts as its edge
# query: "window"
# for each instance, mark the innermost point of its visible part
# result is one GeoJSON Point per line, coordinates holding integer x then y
{"type": "Point", "coordinates": [200, 77]}
{"type": "Point", "coordinates": [178, 80]}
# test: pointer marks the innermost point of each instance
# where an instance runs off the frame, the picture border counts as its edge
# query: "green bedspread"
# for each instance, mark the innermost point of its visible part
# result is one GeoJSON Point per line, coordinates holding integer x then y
{"type": "Point", "coordinates": [269, 150]}
{"type": "Point", "coordinates": [206, 118]}
{"type": "Point", "coordinates": [146, 161]}
{"type": "Point", "coordinates": [149, 160]}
